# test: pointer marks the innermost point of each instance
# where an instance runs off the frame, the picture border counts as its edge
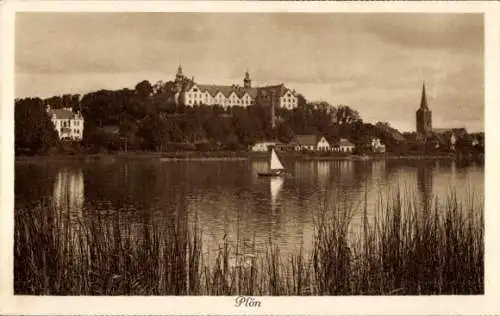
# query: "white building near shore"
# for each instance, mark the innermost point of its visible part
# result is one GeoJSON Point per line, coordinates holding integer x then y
{"type": "Point", "coordinates": [263, 146]}
{"type": "Point", "coordinates": [69, 125]}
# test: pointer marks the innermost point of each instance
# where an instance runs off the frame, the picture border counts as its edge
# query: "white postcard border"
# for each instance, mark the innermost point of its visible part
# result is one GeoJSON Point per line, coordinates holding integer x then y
{"type": "Point", "coordinates": [482, 304]}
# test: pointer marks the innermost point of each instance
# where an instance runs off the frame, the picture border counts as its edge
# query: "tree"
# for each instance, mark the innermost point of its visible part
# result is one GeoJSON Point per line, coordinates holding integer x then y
{"type": "Point", "coordinates": [301, 100]}
{"type": "Point", "coordinates": [345, 115]}
{"type": "Point", "coordinates": [154, 131]}
{"type": "Point", "coordinates": [144, 89]}
{"type": "Point", "coordinates": [33, 128]}
{"type": "Point", "coordinates": [101, 140]}
{"type": "Point", "coordinates": [383, 124]}
{"type": "Point", "coordinates": [285, 132]}
{"type": "Point", "coordinates": [128, 130]}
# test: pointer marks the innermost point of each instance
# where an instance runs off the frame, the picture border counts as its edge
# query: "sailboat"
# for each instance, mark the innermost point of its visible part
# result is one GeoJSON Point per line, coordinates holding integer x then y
{"type": "Point", "coordinates": [275, 167]}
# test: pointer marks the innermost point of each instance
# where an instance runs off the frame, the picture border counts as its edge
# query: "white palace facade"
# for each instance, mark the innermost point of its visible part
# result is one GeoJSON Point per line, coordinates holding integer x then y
{"type": "Point", "coordinates": [69, 125]}
{"type": "Point", "coordinates": [190, 93]}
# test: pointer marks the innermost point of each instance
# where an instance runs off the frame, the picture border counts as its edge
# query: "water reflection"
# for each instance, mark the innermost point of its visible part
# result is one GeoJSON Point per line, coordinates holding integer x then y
{"type": "Point", "coordinates": [346, 171]}
{"type": "Point", "coordinates": [323, 172]}
{"type": "Point", "coordinates": [257, 167]}
{"type": "Point", "coordinates": [68, 193]}
{"type": "Point", "coordinates": [425, 183]}
{"type": "Point", "coordinates": [379, 171]}
{"type": "Point", "coordinates": [275, 183]}
{"type": "Point", "coordinates": [228, 199]}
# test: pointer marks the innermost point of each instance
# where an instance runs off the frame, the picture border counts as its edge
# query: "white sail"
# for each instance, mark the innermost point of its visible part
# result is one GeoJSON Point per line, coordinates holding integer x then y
{"type": "Point", "coordinates": [275, 162]}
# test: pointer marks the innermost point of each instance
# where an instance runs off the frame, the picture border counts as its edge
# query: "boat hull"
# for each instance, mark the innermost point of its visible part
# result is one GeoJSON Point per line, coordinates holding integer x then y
{"type": "Point", "coordinates": [272, 174]}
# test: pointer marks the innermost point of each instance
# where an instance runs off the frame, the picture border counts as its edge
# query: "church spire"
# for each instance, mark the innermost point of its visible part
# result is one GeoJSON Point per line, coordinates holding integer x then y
{"type": "Point", "coordinates": [423, 101]}
{"type": "Point", "coordinates": [424, 115]}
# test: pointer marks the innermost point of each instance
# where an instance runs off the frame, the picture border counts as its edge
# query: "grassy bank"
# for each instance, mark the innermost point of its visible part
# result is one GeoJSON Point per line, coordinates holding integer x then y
{"type": "Point", "coordinates": [404, 250]}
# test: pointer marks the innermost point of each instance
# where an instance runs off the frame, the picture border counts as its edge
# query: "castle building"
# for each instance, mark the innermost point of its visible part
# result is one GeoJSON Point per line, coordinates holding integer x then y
{"type": "Point", "coordinates": [190, 93]}
{"type": "Point", "coordinates": [69, 125]}
{"type": "Point", "coordinates": [424, 116]}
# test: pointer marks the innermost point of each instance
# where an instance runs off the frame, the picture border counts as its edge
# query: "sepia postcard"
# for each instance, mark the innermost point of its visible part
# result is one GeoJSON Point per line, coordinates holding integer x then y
{"type": "Point", "coordinates": [225, 157]}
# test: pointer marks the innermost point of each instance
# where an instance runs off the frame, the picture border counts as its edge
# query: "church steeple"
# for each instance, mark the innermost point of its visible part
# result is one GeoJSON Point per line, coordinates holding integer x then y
{"type": "Point", "coordinates": [423, 101]}
{"type": "Point", "coordinates": [424, 115]}
{"type": "Point", "coordinates": [247, 81]}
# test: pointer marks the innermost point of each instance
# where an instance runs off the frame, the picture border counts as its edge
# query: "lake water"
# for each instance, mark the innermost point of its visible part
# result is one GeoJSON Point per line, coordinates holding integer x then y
{"type": "Point", "coordinates": [228, 199]}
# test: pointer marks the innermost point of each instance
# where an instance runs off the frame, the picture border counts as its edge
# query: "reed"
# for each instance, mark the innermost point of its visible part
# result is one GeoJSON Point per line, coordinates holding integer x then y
{"type": "Point", "coordinates": [406, 248]}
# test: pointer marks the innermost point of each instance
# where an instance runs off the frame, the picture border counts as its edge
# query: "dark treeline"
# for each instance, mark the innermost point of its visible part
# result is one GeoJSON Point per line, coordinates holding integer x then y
{"type": "Point", "coordinates": [144, 118]}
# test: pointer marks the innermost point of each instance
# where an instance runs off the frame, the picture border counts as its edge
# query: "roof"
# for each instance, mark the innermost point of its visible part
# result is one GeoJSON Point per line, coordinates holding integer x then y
{"type": "Point", "coordinates": [344, 142]}
{"type": "Point", "coordinates": [278, 90]}
{"type": "Point", "coordinates": [454, 130]}
{"type": "Point", "coordinates": [309, 140]}
{"type": "Point", "coordinates": [265, 142]}
{"type": "Point", "coordinates": [394, 133]}
{"type": "Point", "coordinates": [252, 92]}
{"type": "Point", "coordinates": [459, 130]}
{"type": "Point", "coordinates": [61, 113]}
{"type": "Point", "coordinates": [111, 129]}
{"type": "Point", "coordinates": [213, 90]}
{"type": "Point", "coordinates": [439, 137]}
{"type": "Point", "coordinates": [423, 101]}
{"type": "Point", "coordinates": [442, 130]}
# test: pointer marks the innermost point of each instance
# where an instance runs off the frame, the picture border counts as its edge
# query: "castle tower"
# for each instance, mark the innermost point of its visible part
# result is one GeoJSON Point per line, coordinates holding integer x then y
{"type": "Point", "coordinates": [247, 82]}
{"type": "Point", "coordinates": [179, 76]}
{"type": "Point", "coordinates": [424, 116]}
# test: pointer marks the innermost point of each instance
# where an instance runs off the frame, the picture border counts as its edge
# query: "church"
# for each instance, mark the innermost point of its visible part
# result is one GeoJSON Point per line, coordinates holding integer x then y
{"type": "Point", "coordinates": [424, 116]}
{"type": "Point", "coordinates": [446, 137]}
{"type": "Point", "coordinates": [190, 93]}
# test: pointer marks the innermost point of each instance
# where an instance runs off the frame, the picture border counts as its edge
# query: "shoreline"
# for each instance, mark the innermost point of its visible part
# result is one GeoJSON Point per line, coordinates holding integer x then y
{"type": "Point", "coordinates": [241, 156]}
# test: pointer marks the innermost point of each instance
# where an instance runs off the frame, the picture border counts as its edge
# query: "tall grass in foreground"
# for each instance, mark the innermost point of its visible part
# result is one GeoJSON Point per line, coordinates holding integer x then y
{"type": "Point", "coordinates": [405, 249]}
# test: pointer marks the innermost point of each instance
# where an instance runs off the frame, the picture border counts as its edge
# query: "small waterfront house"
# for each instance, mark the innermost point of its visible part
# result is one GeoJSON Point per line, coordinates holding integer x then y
{"type": "Point", "coordinates": [344, 146]}
{"type": "Point", "coordinates": [323, 144]}
{"type": "Point", "coordinates": [263, 146]}
{"type": "Point", "coordinates": [69, 125]}
{"type": "Point", "coordinates": [447, 137]}
{"type": "Point", "coordinates": [376, 145]}
{"type": "Point", "coordinates": [310, 143]}
{"type": "Point", "coordinates": [280, 146]}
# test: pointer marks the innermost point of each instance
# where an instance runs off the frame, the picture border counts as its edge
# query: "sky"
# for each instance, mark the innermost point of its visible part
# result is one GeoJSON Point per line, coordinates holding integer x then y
{"type": "Point", "coordinates": [375, 63]}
